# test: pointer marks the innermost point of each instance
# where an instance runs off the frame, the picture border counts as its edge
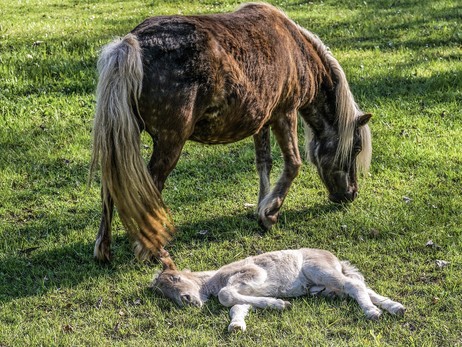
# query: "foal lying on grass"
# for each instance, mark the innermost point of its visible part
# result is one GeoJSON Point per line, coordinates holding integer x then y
{"type": "Point", "coordinates": [259, 280]}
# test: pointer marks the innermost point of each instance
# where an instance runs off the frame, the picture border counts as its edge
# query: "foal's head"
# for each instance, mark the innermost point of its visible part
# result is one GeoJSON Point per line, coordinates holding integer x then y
{"type": "Point", "coordinates": [338, 154]}
{"type": "Point", "coordinates": [178, 286]}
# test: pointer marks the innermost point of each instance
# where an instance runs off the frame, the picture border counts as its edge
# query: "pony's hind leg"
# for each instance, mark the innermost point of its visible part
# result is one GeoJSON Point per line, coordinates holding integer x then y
{"type": "Point", "coordinates": [102, 250]}
{"type": "Point", "coordinates": [285, 131]}
{"type": "Point", "coordinates": [165, 155]}
{"type": "Point", "coordinates": [263, 161]}
{"type": "Point", "coordinates": [387, 304]}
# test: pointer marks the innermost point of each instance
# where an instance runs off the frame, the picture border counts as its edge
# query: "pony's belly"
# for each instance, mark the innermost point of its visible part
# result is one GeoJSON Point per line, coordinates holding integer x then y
{"type": "Point", "coordinates": [220, 129]}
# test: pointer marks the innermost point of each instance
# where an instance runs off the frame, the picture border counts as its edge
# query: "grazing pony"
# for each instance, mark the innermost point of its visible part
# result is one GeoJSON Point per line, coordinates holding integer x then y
{"type": "Point", "coordinates": [260, 280]}
{"type": "Point", "coordinates": [218, 79]}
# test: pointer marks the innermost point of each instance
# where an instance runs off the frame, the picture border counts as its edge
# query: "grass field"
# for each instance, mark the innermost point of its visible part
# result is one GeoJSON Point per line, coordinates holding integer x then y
{"type": "Point", "coordinates": [403, 62]}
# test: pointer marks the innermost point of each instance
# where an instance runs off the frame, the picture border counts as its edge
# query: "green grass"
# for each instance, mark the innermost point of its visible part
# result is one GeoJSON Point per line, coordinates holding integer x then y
{"type": "Point", "coordinates": [403, 62]}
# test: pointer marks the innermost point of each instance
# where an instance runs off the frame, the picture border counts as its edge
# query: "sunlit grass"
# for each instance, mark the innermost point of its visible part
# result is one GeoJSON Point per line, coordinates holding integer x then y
{"type": "Point", "coordinates": [403, 62]}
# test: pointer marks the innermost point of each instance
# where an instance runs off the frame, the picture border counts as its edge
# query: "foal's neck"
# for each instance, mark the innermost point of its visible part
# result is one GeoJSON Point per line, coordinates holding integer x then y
{"type": "Point", "coordinates": [206, 281]}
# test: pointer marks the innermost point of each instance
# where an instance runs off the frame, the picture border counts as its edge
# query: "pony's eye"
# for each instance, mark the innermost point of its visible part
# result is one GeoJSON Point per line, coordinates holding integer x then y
{"type": "Point", "coordinates": [176, 278]}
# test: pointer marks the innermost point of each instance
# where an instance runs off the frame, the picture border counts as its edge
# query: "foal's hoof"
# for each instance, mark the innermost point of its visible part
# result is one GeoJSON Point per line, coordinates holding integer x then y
{"type": "Point", "coordinates": [373, 313]}
{"type": "Point", "coordinates": [397, 309]}
{"type": "Point", "coordinates": [236, 327]}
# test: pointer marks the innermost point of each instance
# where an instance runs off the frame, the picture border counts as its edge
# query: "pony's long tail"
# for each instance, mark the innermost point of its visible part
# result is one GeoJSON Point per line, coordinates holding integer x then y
{"type": "Point", "coordinates": [116, 147]}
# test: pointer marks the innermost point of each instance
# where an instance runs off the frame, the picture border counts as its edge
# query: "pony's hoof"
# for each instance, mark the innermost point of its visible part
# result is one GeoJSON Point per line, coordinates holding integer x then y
{"type": "Point", "coordinates": [102, 252]}
{"type": "Point", "coordinates": [141, 253]}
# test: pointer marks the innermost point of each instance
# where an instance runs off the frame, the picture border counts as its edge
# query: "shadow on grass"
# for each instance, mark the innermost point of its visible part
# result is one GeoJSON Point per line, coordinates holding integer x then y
{"type": "Point", "coordinates": [43, 266]}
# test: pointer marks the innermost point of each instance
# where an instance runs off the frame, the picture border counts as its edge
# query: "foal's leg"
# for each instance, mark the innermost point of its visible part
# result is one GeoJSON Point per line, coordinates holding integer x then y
{"type": "Point", "coordinates": [263, 160]}
{"type": "Point", "coordinates": [386, 303]}
{"type": "Point", "coordinates": [102, 250]}
{"type": "Point", "coordinates": [357, 290]}
{"type": "Point", "coordinates": [238, 314]}
{"type": "Point", "coordinates": [330, 280]}
{"type": "Point", "coordinates": [229, 296]}
{"type": "Point", "coordinates": [285, 131]}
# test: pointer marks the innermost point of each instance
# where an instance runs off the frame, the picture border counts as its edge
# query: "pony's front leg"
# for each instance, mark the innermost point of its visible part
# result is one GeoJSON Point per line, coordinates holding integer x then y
{"type": "Point", "coordinates": [102, 250]}
{"type": "Point", "coordinates": [285, 131]}
{"type": "Point", "coordinates": [238, 314]}
{"type": "Point", "coordinates": [263, 161]}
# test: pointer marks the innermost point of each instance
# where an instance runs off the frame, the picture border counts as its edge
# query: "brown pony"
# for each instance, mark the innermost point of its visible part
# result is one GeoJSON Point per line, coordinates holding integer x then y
{"type": "Point", "coordinates": [219, 79]}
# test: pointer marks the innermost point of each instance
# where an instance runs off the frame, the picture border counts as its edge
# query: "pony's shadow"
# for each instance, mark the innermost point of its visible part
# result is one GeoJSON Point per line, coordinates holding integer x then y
{"type": "Point", "coordinates": [224, 228]}
{"type": "Point", "coordinates": [32, 272]}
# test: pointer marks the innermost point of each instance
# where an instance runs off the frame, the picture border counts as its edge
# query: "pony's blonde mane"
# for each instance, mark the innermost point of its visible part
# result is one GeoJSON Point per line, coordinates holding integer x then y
{"type": "Point", "coordinates": [347, 110]}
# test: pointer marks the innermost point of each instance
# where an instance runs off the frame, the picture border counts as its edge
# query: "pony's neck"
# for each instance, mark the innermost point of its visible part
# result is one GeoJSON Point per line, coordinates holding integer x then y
{"type": "Point", "coordinates": [320, 112]}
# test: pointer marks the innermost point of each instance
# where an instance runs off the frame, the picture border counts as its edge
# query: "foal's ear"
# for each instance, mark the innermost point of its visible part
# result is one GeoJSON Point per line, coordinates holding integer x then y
{"type": "Point", "coordinates": [363, 119]}
{"type": "Point", "coordinates": [152, 285]}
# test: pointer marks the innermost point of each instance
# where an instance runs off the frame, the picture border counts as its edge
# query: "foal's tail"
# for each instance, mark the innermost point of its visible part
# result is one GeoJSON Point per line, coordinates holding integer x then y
{"type": "Point", "coordinates": [116, 147]}
{"type": "Point", "coordinates": [351, 271]}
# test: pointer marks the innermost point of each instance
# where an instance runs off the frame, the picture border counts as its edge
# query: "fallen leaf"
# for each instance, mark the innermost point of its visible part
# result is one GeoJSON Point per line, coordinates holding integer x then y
{"type": "Point", "coordinates": [99, 303]}
{"type": "Point", "coordinates": [442, 263]}
{"type": "Point", "coordinates": [117, 327]}
{"type": "Point", "coordinates": [248, 205]}
{"type": "Point", "coordinates": [68, 328]}
{"type": "Point", "coordinates": [431, 244]}
{"type": "Point", "coordinates": [202, 232]}
{"type": "Point", "coordinates": [28, 250]}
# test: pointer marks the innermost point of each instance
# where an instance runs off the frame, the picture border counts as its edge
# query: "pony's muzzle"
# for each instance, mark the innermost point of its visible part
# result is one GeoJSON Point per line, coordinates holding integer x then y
{"type": "Point", "coordinates": [346, 197]}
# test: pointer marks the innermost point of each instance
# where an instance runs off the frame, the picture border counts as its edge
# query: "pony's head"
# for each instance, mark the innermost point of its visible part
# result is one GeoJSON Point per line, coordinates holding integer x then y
{"type": "Point", "coordinates": [338, 160]}
{"type": "Point", "coordinates": [338, 137]}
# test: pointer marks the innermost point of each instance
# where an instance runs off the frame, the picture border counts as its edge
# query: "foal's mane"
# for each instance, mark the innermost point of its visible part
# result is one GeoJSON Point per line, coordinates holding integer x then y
{"type": "Point", "coordinates": [347, 110]}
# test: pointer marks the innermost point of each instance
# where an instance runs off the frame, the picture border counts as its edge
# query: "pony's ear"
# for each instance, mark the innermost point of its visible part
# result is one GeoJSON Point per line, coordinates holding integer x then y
{"type": "Point", "coordinates": [363, 119]}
